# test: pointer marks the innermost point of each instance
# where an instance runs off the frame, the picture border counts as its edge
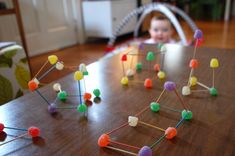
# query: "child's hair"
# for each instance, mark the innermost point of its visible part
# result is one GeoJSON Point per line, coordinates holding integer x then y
{"type": "Point", "coordinates": [160, 18]}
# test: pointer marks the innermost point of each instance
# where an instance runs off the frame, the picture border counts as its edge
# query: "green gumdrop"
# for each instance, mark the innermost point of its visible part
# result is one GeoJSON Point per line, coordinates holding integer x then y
{"type": "Point", "coordinates": [62, 95]}
{"type": "Point", "coordinates": [96, 92]}
{"type": "Point", "coordinates": [150, 56]}
{"type": "Point", "coordinates": [159, 46]}
{"type": "Point", "coordinates": [81, 108]}
{"type": "Point", "coordinates": [213, 92]}
{"type": "Point", "coordinates": [139, 66]}
{"type": "Point", "coordinates": [155, 107]}
{"type": "Point", "coordinates": [187, 115]}
{"type": "Point", "coordinates": [85, 73]}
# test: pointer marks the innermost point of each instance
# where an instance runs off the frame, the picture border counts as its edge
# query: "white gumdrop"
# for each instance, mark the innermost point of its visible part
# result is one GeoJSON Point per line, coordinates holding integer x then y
{"type": "Point", "coordinates": [186, 90]}
{"type": "Point", "coordinates": [57, 87]}
{"type": "Point", "coordinates": [133, 121]}
{"type": "Point", "coordinates": [130, 72]}
{"type": "Point", "coordinates": [82, 67]}
{"type": "Point", "coordinates": [59, 66]}
{"type": "Point", "coordinates": [163, 49]}
{"type": "Point", "coordinates": [36, 80]}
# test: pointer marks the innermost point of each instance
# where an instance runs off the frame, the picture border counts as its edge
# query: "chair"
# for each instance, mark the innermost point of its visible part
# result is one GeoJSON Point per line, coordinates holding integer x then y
{"type": "Point", "coordinates": [14, 72]}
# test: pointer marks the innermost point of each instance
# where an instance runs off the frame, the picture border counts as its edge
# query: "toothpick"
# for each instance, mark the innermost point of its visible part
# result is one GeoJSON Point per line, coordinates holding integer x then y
{"type": "Point", "coordinates": [130, 66]}
{"type": "Point", "coordinates": [202, 85]}
{"type": "Point", "coordinates": [123, 69]}
{"type": "Point", "coordinates": [158, 141]}
{"type": "Point", "coordinates": [181, 100]}
{"type": "Point", "coordinates": [121, 150]}
{"type": "Point", "coordinates": [13, 128]}
{"type": "Point", "coordinates": [213, 77]}
{"type": "Point", "coordinates": [190, 75]}
{"type": "Point", "coordinates": [79, 91]}
{"type": "Point", "coordinates": [114, 130]}
{"type": "Point", "coordinates": [14, 139]}
{"type": "Point", "coordinates": [47, 72]}
{"type": "Point", "coordinates": [44, 98]}
{"type": "Point", "coordinates": [160, 96]}
{"type": "Point", "coordinates": [40, 69]}
{"type": "Point", "coordinates": [125, 145]}
{"type": "Point", "coordinates": [158, 128]}
{"type": "Point", "coordinates": [195, 49]}
{"type": "Point", "coordinates": [199, 90]}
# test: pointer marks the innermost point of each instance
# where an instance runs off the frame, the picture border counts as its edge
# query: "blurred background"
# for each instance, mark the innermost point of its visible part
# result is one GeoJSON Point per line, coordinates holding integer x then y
{"type": "Point", "coordinates": [77, 31]}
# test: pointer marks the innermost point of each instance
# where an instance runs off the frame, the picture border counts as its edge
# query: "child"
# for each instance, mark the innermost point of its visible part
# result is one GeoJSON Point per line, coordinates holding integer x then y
{"type": "Point", "coordinates": [160, 31]}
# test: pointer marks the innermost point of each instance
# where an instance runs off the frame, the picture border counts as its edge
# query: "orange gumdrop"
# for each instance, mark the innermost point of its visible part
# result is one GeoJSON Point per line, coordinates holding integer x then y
{"type": "Point", "coordinates": [103, 140]}
{"type": "Point", "coordinates": [193, 63]}
{"type": "Point", "coordinates": [156, 67]}
{"type": "Point", "coordinates": [32, 85]}
{"type": "Point", "coordinates": [87, 96]}
{"type": "Point", "coordinates": [148, 83]}
{"type": "Point", "coordinates": [170, 132]}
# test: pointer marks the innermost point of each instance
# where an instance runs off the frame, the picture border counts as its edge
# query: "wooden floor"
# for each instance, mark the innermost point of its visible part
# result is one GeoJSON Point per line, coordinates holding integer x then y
{"type": "Point", "coordinates": [216, 35]}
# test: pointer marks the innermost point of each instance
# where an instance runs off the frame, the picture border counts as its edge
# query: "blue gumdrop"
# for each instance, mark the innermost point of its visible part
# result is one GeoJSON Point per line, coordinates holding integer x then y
{"type": "Point", "coordinates": [198, 34]}
{"type": "Point", "coordinates": [145, 151]}
{"type": "Point", "coordinates": [169, 85]}
{"type": "Point", "coordinates": [52, 108]}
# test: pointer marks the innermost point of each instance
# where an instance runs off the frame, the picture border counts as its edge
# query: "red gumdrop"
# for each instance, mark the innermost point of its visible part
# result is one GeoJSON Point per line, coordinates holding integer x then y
{"type": "Point", "coordinates": [193, 63]}
{"type": "Point", "coordinates": [170, 132]}
{"type": "Point", "coordinates": [109, 49]}
{"type": "Point", "coordinates": [156, 67]}
{"type": "Point", "coordinates": [87, 96]}
{"type": "Point", "coordinates": [32, 85]}
{"type": "Point", "coordinates": [1, 127]}
{"type": "Point", "coordinates": [34, 131]}
{"type": "Point", "coordinates": [103, 140]}
{"type": "Point", "coordinates": [148, 83]}
{"type": "Point", "coordinates": [124, 57]}
{"type": "Point", "coordinates": [199, 42]}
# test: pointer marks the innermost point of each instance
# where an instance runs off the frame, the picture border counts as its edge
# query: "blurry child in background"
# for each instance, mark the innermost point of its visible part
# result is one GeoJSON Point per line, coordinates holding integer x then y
{"type": "Point", "coordinates": [160, 31]}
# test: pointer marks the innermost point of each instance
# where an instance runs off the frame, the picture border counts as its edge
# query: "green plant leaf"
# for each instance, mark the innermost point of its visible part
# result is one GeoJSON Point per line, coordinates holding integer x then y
{"type": "Point", "coordinates": [22, 76]}
{"type": "Point", "coordinates": [19, 93]}
{"type": "Point", "coordinates": [5, 62]}
{"type": "Point", "coordinates": [6, 91]}
{"type": "Point", "coordinates": [11, 51]}
{"type": "Point", "coordinates": [10, 54]}
{"type": "Point", "coordinates": [24, 60]}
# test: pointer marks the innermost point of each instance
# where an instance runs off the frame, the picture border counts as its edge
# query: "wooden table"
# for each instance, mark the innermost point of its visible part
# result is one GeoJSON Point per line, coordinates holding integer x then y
{"type": "Point", "coordinates": [210, 132]}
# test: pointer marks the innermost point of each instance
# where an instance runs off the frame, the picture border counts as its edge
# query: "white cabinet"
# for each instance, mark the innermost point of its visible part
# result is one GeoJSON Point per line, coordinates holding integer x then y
{"type": "Point", "coordinates": [102, 16]}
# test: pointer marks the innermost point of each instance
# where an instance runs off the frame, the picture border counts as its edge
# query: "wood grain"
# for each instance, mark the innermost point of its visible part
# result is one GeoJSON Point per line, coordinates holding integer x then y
{"type": "Point", "coordinates": [210, 132]}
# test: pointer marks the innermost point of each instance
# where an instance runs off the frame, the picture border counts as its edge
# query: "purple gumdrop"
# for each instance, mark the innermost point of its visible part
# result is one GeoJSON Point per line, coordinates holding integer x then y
{"type": "Point", "coordinates": [198, 34]}
{"type": "Point", "coordinates": [169, 86]}
{"type": "Point", "coordinates": [141, 46]}
{"type": "Point", "coordinates": [52, 108]}
{"type": "Point", "coordinates": [145, 151]}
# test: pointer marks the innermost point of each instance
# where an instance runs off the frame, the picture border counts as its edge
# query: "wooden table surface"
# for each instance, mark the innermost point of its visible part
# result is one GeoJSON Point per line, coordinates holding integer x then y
{"type": "Point", "coordinates": [210, 132]}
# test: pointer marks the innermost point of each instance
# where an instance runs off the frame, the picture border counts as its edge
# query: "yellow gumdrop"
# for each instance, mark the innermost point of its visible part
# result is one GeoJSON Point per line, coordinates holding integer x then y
{"type": "Point", "coordinates": [124, 81]}
{"type": "Point", "coordinates": [214, 63]}
{"type": "Point", "coordinates": [78, 75]}
{"type": "Point", "coordinates": [193, 81]}
{"type": "Point", "coordinates": [52, 59]}
{"type": "Point", "coordinates": [161, 75]}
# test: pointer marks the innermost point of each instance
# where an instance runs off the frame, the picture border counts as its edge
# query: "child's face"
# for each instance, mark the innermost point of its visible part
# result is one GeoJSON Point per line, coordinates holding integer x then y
{"type": "Point", "coordinates": [160, 31]}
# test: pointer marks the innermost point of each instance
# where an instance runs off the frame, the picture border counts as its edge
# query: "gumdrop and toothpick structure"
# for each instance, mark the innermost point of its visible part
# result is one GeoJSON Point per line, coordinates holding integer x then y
{"type": "Point", "coordinates": [31, 131]}
{"type": "Point", "coordinates": [133, 51]}
{"type": "Point", "coordinates": [105, 140]}
{"type": "Point", "coordinates": [62, 95]}
{"type": "Point", "coordinates": [193, 81]}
